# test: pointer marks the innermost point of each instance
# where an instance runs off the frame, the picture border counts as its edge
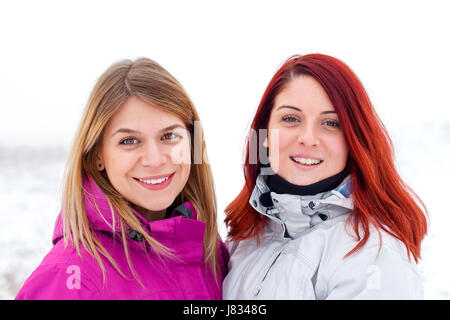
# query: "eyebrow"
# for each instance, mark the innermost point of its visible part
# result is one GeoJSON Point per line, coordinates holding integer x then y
{"type": "Point", "coordinates": [126, 130]}
{"type": "Point", "coordinates": [300, 110]}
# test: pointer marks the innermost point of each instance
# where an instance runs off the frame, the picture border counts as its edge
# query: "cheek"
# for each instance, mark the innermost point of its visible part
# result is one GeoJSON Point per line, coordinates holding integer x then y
{"type": "Point", "coordinates": [184, 173]}
{"type": "Point", "coordinates": [281, 141]}
{"type": "Point", "coordinates": [180, 154]}
{"type": "Point", "coordinates": [186, 170]}
{"type": "Point", "coordinates": [338, 149]}
{"type": "Point", "coordinates": [119, 162]}
{"type": "Point", "coordinates": [288, 139]}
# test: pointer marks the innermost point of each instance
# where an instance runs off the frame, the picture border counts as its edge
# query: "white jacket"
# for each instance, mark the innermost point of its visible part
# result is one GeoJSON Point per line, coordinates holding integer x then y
{"type": "Point", "coordinates": [301, 254]}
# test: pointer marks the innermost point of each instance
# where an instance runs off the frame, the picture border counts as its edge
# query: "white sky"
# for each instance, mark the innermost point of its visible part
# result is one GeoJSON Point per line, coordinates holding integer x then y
{"type": "Point", "coordinates": [223, 52]}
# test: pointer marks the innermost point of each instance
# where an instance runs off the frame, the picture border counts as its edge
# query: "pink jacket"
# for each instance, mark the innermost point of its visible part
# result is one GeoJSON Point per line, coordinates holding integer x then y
{"type": "Point", "coordinates": [63, 274]}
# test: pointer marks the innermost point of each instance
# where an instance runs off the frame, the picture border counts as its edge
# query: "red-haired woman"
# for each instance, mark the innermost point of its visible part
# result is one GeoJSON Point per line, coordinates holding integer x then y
{"type": "Point", "coordinates": [326, 215]}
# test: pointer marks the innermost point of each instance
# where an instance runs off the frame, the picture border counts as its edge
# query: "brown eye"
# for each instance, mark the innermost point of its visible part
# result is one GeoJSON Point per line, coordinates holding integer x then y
{"type": "Point", "coordinates": [290, 119]}
{"type": "Point", "coordinates": [332, 123]}
{"type": "Point", "coordinates": [171, 136]}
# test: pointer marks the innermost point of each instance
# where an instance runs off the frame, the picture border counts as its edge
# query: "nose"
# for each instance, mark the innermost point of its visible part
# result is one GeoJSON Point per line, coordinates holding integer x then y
{"type": "Point", "coordinates": [308, 136]}
{"type": "Point", "coordinates": [153, 156]}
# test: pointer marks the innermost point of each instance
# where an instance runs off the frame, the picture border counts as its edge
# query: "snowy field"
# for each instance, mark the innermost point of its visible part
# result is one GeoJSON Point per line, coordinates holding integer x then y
{"type": "Point", "coordinates": [30, 187]}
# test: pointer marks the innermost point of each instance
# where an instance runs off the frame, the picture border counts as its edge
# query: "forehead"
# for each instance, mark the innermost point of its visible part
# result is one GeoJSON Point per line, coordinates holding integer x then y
{"type": "Point", "coordinates": [140, 115]}
{"type": "Point", "coordinates": [306, 93]}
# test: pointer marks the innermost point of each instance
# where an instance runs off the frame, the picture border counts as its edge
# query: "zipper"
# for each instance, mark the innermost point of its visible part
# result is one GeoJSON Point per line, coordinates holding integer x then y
{"type": "Point", "coordinates": [258, 289]}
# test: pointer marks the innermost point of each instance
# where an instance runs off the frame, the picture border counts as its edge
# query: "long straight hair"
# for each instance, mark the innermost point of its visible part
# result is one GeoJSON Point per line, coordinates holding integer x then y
{"type": "Point", "coordinates": [146, 80]}
{"type": "Point", "coordinates": [380, 196]}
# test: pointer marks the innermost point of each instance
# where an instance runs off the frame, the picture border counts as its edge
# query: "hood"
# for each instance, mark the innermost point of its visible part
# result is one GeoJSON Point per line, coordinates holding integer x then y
{"type": "Point", "coordinates": [296, 213]}
{"type": "Point", "coordinates": [104, 218]}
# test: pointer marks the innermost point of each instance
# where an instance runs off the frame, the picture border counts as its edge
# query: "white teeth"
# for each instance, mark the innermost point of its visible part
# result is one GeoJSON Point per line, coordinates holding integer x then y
{"type": "Point", "coordinates": [154, 181]}
{"type": "Point", "coordinates": [306, 161]}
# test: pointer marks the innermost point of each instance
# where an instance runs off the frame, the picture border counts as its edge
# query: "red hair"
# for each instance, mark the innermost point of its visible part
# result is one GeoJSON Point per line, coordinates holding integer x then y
{"type": "Point", "coordinates": [380, 196]}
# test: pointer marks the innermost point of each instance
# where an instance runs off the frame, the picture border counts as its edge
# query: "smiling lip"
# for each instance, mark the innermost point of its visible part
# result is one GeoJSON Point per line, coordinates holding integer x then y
{"type": "Point", "coordinates": [305, 156]}
{"type": "Point", "coordinates": [156, 177]}
{"type": "Point", "coordinates": [305, 167]}
{"type": "Point", "coordinates": [158, 186]}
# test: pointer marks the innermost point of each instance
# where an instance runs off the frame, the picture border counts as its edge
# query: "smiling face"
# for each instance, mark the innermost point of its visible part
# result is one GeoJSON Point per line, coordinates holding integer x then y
{"type": "Point", "coordinates": [146, 154]}
{"type": "Point", "coordinates": [311, 144]}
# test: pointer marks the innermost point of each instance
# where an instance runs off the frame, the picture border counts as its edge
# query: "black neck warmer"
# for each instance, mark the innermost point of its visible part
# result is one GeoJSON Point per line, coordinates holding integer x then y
{"type": "Point", "coordinates": [279, 185]}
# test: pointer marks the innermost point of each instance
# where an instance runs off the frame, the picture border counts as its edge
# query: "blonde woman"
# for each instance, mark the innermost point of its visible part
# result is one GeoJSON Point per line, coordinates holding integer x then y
{"type": "Point", "coordinates": [138, 218]}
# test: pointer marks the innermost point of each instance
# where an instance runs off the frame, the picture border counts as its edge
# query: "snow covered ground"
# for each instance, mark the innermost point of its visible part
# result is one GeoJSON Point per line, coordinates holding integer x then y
{"type": "Point", "coordinates": [30, 187]}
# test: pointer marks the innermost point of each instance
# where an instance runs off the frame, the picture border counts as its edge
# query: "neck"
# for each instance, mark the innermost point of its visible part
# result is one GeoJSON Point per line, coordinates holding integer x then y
{"type": "Point", "coordinates": [150, 215]}
{"type": "Point", "coordinates": [279, 185]}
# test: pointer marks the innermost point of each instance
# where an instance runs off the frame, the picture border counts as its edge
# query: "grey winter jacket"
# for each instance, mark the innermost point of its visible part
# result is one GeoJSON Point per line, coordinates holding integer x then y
{"type": "Point", "coordinates": [301, 254]}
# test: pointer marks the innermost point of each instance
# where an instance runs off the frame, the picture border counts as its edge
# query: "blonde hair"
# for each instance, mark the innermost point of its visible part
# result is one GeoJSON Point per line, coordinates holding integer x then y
{"type": "Point", "coordinates": [148, 81]}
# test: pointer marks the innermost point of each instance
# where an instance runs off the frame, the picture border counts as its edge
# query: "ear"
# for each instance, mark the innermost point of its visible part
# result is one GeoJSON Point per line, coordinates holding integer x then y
{"type": "Point", "coordinates": [99, 163]}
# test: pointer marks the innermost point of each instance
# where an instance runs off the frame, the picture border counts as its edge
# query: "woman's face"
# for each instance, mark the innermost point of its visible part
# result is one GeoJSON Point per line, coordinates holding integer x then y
{"type": "Point", "coordinates": [311, 145]}
{"type": "Point", "coordinates": [146, 154]}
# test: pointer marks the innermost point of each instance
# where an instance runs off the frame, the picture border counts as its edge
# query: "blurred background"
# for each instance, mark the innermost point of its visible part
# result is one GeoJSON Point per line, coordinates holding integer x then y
{"type": "Point", "coordinates": [224, 54]}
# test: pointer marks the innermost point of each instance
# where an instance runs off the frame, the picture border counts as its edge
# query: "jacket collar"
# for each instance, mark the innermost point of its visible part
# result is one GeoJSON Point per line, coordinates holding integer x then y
{"type": "Point", "coordinates": [296, 214]}
{"type": "Point", "coordinates": [104, 218]}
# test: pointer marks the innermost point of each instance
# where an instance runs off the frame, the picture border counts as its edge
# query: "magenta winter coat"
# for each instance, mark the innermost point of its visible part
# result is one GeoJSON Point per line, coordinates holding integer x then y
{"type": "Point", "coordinates": [64, 275]}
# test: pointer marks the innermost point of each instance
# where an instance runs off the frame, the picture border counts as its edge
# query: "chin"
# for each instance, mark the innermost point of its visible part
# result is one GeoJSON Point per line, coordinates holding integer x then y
{"type": "Point", "coordinates": [163, 205]}
{"type": "Point", "coordinates": [303, 181]}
